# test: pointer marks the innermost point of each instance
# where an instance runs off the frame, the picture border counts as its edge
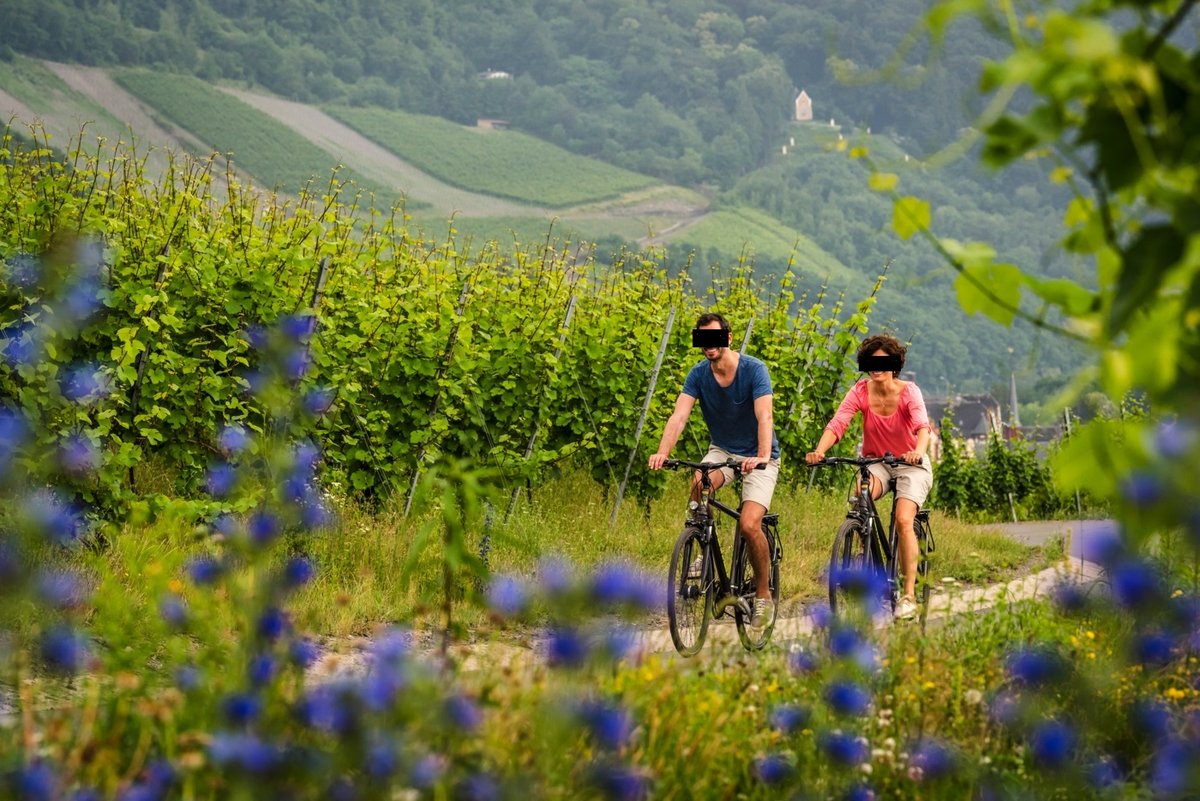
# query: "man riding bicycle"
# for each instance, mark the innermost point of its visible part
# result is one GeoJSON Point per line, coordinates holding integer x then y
{"type": "Point", "coordinates": [894, 421]}
{"type": "Point", "coordinates": [735, 397]}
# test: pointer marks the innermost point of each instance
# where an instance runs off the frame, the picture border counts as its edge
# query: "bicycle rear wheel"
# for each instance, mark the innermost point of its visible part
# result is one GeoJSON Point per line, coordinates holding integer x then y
{"type": "Point", "coordinates": [747, 589]}
{"type": "Point", "coordinates": [849, 564]}
{"type": "Point", "coordinates": [923, 549]}
{"type": "Point", "coordinates": [689, 598]}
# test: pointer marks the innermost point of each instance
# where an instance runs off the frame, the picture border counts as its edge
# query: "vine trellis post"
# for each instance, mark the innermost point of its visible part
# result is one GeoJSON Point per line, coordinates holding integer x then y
{"type": "Point", "coordinates": [637, 435]}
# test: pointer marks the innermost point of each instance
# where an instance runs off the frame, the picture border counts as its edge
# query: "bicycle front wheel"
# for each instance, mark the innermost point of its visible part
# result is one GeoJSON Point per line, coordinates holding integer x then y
{"type": "Point", "coordinates": [689, 596]}
{"type": "Point", "coordinates": [848, 565]}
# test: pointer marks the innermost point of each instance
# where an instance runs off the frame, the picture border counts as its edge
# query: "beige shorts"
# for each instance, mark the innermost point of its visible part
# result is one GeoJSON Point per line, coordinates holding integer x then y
{"type": "Point", "coordinates": [913, 481]}
{"type": "Point", "coordinates": [757, 485]}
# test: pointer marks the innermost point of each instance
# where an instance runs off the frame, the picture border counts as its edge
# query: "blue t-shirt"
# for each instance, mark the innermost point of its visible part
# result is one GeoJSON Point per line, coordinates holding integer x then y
{"type": "Point", "coordinates": [729, 411]}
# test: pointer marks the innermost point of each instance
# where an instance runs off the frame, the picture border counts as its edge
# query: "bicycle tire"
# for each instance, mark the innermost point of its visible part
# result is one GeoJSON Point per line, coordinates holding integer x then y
{"type": "Point", "coordinates": [922, 530]}
{"type": "Point", "coordinates": [688, 597]}
{"type": "Point", "coordinates": [849, 553]}
{"type": "Point", "coordinates": [748, 591]}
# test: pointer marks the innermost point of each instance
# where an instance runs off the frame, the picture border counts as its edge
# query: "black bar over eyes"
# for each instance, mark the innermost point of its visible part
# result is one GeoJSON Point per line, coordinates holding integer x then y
{"type": "Point", "coordinates": [879, 364]}
{"type": "Point", "coordinates": [710, 338]}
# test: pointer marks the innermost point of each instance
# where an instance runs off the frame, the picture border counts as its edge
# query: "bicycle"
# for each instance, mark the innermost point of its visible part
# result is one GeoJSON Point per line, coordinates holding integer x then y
{"type": "Point", "coordinates": [695, 599]}
{"type": "Point", "coordinates": [861, 551]}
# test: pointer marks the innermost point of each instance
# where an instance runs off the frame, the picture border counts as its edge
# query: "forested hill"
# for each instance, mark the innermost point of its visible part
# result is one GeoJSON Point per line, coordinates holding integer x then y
{"type": "Point", "coordinates": [687, 90]}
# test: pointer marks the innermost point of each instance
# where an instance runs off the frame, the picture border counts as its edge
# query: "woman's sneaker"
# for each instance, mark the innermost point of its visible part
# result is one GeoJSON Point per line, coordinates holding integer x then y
{"type": "Point", "coordinates": [906, 609]}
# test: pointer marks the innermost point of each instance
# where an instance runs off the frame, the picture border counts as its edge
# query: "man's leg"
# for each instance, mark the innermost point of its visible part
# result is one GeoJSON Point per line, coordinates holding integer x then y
{"type": "Point", "coordinates": [756, 543]}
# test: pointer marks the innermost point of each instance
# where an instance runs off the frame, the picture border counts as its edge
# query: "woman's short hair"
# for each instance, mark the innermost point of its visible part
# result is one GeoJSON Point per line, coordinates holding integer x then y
{"type": "Point", "coordinates": [890, 345]}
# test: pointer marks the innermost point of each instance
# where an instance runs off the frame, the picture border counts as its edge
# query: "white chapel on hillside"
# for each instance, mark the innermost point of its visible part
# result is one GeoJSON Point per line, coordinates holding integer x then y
{"type": "Point", "coordinates": [803, 107]}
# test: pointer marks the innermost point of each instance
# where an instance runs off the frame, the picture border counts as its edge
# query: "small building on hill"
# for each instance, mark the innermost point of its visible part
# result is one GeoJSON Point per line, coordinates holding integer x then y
{"type": "Point", "coordinates": [491, 124]}
{"type": "Point", "coordinates": [803, 111]}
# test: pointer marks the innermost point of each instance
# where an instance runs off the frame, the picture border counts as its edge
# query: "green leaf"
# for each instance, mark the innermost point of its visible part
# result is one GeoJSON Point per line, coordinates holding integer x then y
{"type": "Point", "coordinates": [993, 290]}
{"type": "Point", "coordinates": [910, 215]}
{"type": "Point", "coordinates": [1145, 264]}
{"type": "Point", "coordinates": [1069, 296]}
{"type": "Point", "coordinates": [883, 181]}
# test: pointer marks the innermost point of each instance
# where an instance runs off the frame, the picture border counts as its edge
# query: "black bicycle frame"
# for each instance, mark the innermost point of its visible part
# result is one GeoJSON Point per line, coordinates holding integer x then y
{"type": "Point", "coordinates": [708, 525]}
{"type": "Point", "coordinates": [882, 546]}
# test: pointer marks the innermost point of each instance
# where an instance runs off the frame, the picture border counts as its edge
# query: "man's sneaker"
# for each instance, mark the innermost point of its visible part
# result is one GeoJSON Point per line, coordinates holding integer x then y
{"type": "Point", "coordinates": [906, 609]}
{"type": "Point", "coordinates": [697, 567]}
{"type": "Point", "coordinates": [764, 615]}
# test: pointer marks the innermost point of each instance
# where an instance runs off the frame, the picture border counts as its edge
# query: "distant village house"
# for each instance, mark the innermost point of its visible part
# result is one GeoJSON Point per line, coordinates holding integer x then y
{"type": "Point", "coordinates": [975, 418]}
{"type": "Point", "coordinates": [495, 75]}
{"type": "Point", "coordinates": [491, 125]}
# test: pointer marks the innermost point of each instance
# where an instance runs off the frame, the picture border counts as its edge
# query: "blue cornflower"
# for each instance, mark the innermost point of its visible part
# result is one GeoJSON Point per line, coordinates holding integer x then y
{"type": "Point", "coordinates": [271, 624]}
{"type": "Point", "coordinates": [305, 457]}
{"type": "Point", "coordinates": [20, 345]}
{"type": "Point", "coordinates": [508, 595]}
{"type": "Point", "coordinates": [554, 575]}
{"type": "Point", "coordinates": [1036, 666]}
{"type": "Point", "coordinates": [391, 647]}
{"type": "Point", "coordinates": [1153, 648]}
{"type": "Point", "coordinates": [934, 759]}
{"type": "Point", "coordinates": [296, 327]}
{"type": "Point", "coordinates": [610, 724]}
{"type": "Point", "coordinates": [53, 518]}
{"type": "Point", "coordinates": [303, 652]}
{"type": "Point", "coordinates": [1174, 438]}
{"type": "Point", "coordinates": [37, 781]}
{"type": "Point", "coordinates": [1101, 542]}
{"type": "Point", "coordinates": [14, 432]}
{"type": "Point", "coordinates": [1151, 719]}
{"type": "Point", "coordinates": [1005, 708]}
{"type": "Point", "coordinates": [1135, 584]}
{"type": "Point", "coordinates": [82, 298]}
{"type": "Point", "coordinates": [187, 678]}
{"type": "Point", "coordinates": [618, 782]}
{"type": "Point", "coordinates": [83, 382]}
{"type": "Point", "coordinates": [296, 363]}
{"type": "Point", "coordinates": [221, 480]}
{"type": "Point", "coordinates": [1069, 597]}
{"type": "Point", "coordinates": [205, 570]}
{"type": "Point", "coordinates": [380, 688]}
{"type": "Point", "coordinates": [773, 768]}
{"type": "Point", "coordinates": [63, 649]}
{"type": "Point", "coordinates": [619, 642]}
{"type": "Point", "coordinates": [463, 712]}
{"type": "Point", "coordinates": [477, 787]}
{"type": "Point", "coordinates": [789, 718]}
{"type": "Point", "coordinates": [1052, 744]}
{"type": "Point", "coordinates": [318, 401]}
{"type": "Point", "coordinates": [172, 610]}
{"type": "Point", "coordinates": [614, 583]}
{"type": "Point", "coordinates": [1141, 489]}
{"type": "Point", "coordinates": [329, 708]}
{"type": "Point", "coordinates": [245, 751]}
{"type": "Point", "coordinates": [232, 440]}
{"type": "Point", "coordinates": [78, 455]}
{"type": "Point", "coordinates": [426, 770]}
{"type": "Point", "coordinates": [261, 670]}
{"type": "Point", "coordinates": [802, 660]}
{"type": "Point", "coordinates": [297, 572]}
{"type": "Point", "coordinates": [314, 515]}
{"type": "Point", "coordinates": [864, 585]}
{"type": "Point", "coordinates": [263, 527]}
{"type": "Point", "coordinates": [844, 641]}
{"type": "Point", "coordinates": [847, 698]}
{"type": "Point", "coordinates": [381, 759]}
{"type": "Point", "coordinates": [1103, 773]}
{"type": "Point", "coordinates": [860, 792]}
{"type": "Point", "coordinates": [241, 708]}
{"type": "Point", "coordinates": [566, 648]}
{"type": "Point", "coordinates": [844, 749]}
{"type": "Point", "coordinates": [1173, 773]}
{"type": "Point", "coordinates": [342, 789]}
{"type": "Point", "coordinates": [62, 589]}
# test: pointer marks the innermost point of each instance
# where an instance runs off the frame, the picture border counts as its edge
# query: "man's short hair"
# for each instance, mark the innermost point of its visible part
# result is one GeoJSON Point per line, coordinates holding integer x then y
{"type": "Point", "coordinates": [712, 317]}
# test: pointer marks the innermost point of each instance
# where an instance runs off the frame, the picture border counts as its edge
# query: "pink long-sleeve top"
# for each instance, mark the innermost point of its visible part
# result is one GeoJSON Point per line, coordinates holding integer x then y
{"type": "Point", "coordinates": [895, 433]}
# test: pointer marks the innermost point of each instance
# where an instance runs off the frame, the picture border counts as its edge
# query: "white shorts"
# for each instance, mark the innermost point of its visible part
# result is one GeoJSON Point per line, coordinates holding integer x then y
{"type": "Point", "coordinates": [757, 485]}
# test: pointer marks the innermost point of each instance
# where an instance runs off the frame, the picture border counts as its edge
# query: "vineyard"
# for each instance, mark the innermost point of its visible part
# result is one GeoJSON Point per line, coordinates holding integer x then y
{"type": "Point", "coordinates": [518, 361]}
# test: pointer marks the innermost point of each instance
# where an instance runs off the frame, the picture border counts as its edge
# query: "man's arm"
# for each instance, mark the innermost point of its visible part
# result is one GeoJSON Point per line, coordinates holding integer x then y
{"type": "Point", "coordinates": [673, 429]}
{"type": "Point", "coordinates": [764, 412]}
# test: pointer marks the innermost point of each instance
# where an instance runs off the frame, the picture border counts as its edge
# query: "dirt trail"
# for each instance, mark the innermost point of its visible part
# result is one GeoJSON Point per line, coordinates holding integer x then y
{"type": "Point", "coordinates": [359, 153]}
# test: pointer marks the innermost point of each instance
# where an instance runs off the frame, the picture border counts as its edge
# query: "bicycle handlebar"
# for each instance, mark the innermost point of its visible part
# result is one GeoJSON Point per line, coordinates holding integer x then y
{"type": "Point", "coordinates": [706, 467]}
{"type": "Point", "coordinates": [887, 459]}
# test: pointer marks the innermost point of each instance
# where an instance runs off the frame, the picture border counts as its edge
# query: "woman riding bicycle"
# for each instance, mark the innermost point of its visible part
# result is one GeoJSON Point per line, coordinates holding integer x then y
{"type": "Point", "coordinates": [894, 421]}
